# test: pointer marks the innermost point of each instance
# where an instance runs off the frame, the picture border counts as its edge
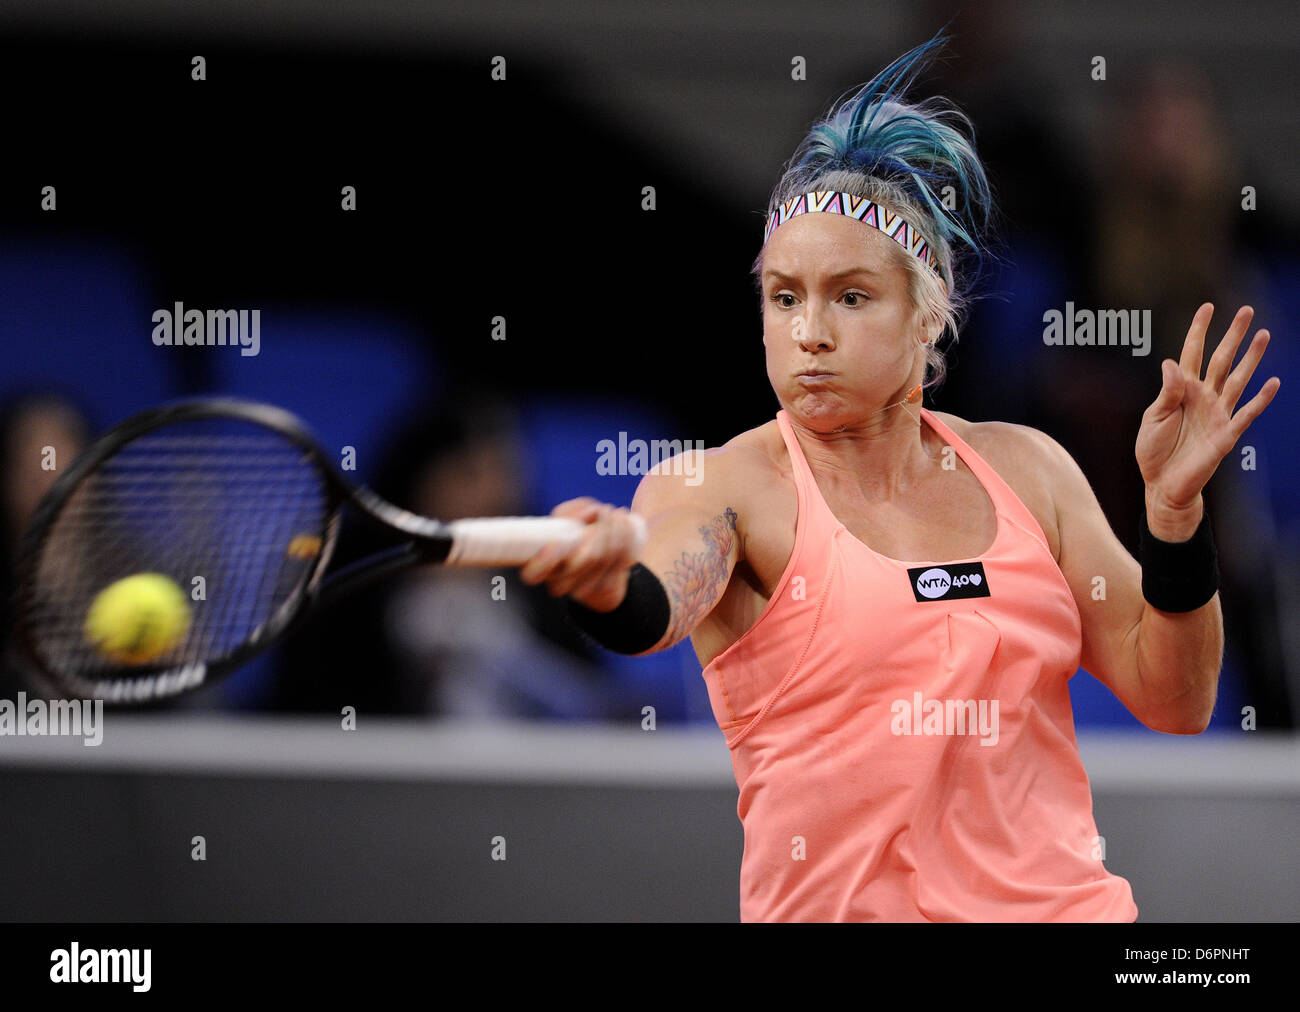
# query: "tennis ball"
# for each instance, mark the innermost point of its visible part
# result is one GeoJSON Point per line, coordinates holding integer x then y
{"type": "Point", "coordinates": [138, 619]}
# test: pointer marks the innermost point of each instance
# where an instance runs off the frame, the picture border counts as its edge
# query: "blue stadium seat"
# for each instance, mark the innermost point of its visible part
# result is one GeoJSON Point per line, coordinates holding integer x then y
{"type": "Point", "coordinates": [1274, 433]}
{"type": "Point", "coordinates": [1006, 353]}
{"type": "Point", "coordinates": [75, 318]}
{"type": "Point", "coordinates": [352, 378]}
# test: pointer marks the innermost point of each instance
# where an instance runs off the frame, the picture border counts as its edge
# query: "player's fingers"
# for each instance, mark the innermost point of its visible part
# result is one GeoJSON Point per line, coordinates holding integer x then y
{"type": "Point", "coordinates": [551, 560]}
{"type": "Point", "coordinates": [1194, 345]}
{"type": "Point", "coordinates": [1253, 407]}
{"type": "Point", "coordinates": [618, 544]}
{"type": "Point", "coordinates": [1240, 376]}
{"type": "Point", "coordinates": [1172, 386]}
{"type": "Point", "coordinates": [1221, 360]}
{"type": "Point", "coordinates": [610, 560]}
{"type": "Point", "coordinates": [539, 567]}
{"type": "Point", "coordinates": [589, 556]}
{"type": "Point", "coordinates": [584, 508]}
{"type": "Point", "coordinates": [542, 565]}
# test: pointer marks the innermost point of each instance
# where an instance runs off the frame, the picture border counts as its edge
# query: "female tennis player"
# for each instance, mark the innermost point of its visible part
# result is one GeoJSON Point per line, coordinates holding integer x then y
{"type": "Point", "coordinates": [888, 601]}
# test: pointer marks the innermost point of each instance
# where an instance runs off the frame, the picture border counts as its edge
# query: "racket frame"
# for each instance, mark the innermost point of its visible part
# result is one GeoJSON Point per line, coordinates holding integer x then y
{"type": "Point", "coordinates": [429, 541]}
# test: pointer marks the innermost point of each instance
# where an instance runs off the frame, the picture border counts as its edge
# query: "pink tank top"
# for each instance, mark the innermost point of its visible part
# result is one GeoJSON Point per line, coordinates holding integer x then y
{"type": "Point", "coordinates": [902, 736]}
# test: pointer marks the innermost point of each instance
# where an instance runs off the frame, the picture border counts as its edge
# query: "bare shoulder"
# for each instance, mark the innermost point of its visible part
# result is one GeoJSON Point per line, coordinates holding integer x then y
{"type": "Point", "coordinates": [1008, 441]}
{"type": "Point", "coordinates": [1034, 464]}
{"type": "Point", "coordinates": [747, 478]}
{"type": "Point", "coordinates": [759, 452]}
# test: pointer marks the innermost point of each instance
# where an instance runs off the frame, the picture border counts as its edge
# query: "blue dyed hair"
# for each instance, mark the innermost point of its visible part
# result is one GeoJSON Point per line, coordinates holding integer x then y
{"type": "Point", "coordinates": [906, 156]}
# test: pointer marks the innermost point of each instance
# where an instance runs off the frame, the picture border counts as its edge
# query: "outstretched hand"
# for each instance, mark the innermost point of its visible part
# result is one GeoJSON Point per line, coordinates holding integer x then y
{"type": "Point", "coordinates": [1191, 426]}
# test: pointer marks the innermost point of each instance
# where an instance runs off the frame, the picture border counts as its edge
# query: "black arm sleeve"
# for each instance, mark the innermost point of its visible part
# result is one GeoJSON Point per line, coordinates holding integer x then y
{"type": "Point", "coordinates": [1178, 576]}
{"type": "Point", "coordinates": [635, 625]}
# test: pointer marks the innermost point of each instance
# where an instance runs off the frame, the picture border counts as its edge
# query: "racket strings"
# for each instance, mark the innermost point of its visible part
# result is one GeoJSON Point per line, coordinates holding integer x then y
{"type": "Point", "coordinates": [225, 509]}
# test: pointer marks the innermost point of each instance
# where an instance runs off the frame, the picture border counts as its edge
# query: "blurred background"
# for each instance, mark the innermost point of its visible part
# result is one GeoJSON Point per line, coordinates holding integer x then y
{"type": "Point", "coordinates": [478, 198]}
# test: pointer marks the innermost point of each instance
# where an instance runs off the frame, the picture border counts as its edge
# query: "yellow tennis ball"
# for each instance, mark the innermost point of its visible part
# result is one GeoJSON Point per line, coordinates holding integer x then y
{"type": "Point", "coordinates": [138, 619]}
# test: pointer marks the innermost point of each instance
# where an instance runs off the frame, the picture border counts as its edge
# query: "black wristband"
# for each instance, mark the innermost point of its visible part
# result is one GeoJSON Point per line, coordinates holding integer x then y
{"type": "Point", "coordinates": [1178, 576]}
{"type": "Point", "coordinates": [635, 625]}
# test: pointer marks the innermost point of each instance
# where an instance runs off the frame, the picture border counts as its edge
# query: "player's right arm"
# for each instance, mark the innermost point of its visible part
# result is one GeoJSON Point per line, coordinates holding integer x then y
{"type": "Point", "coordinates": [692, 548]}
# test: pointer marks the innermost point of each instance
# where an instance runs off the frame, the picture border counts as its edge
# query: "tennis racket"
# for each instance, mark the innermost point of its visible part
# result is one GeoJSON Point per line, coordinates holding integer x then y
{"type": "Point", "coordinates": [241, 495]}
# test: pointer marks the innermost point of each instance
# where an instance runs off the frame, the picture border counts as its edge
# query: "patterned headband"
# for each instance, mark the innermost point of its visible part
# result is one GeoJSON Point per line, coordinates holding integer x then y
{"type": "Point", "coordinates": [864, 211]}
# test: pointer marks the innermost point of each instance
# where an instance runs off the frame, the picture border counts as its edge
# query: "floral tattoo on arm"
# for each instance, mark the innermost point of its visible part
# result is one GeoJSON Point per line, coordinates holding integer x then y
{"type": "Point", "coordinates": [697, 580]}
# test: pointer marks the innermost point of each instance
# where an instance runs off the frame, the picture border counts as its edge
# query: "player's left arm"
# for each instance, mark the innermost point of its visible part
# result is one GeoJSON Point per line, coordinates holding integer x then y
{"type": "Point", "coordinates": [1163, 666]}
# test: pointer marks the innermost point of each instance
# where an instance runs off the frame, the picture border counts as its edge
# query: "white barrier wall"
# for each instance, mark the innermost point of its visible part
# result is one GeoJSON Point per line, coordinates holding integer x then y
{"type": "Point", "coordinates": [403, 820]}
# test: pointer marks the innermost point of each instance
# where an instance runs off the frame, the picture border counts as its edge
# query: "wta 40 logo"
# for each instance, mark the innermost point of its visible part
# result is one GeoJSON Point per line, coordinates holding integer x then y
{"type": "Point", "coordinates": [947, 583]}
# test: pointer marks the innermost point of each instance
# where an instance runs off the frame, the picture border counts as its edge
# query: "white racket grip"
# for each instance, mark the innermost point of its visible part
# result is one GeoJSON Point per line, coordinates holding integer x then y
{"type": "Point", "coordinates": [512, 541]}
